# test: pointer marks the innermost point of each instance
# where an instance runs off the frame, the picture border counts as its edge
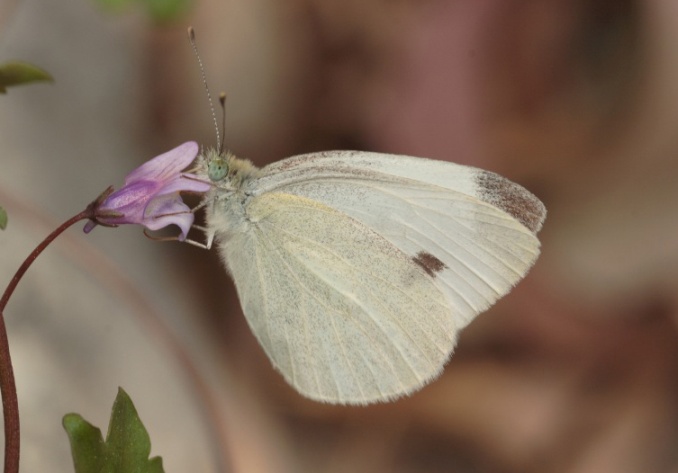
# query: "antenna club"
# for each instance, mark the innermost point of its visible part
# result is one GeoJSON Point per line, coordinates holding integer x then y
{"type": "Point", "coordinates": [191, 34]}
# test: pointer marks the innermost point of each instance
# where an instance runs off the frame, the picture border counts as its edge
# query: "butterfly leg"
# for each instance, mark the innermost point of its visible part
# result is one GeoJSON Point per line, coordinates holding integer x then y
{"type": "Point", "coordinates": [199, 206]}
{"type": "Point", "coordinates": [197, 244]}
{"type": "Point", "coordinates": [204, 246]}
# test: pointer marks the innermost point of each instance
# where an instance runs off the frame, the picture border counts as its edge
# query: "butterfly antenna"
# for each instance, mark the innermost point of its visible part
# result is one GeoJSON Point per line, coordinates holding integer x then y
{"type": "Point", "coordinates": [222, 103]}
{"type": "Point", "coordinates": [191, 38]}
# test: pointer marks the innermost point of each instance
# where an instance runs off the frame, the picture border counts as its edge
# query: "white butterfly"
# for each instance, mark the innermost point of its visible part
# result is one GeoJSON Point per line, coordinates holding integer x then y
{"type": "Point", "coordinates": [356, 271]}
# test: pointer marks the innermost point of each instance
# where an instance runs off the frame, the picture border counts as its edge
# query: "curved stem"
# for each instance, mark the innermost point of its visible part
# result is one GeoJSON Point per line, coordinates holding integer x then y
{"type": "Point", "coordinates": [10, 405]}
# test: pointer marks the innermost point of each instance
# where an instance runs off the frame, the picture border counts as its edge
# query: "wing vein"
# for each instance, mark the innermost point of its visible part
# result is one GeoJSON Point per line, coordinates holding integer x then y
{"type": "Point", "coordinates": [375, 276]}
{"type": "Point", "coordinates": [333, 310]}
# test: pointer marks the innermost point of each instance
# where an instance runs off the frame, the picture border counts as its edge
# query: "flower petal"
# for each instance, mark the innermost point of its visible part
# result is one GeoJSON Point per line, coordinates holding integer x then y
{"type": "Point", "coordinates": [185, 183]}
{"type": "Point", "coordinates": [166, 165]}
{"type": "Point", "coordinates": [135, 194]}
{"type": "Point", "coordinates": [150, 196]}
{"type": "Point", "coordinates": [128, 203]}
{"type": "Point", "coordinates": [166, 210]}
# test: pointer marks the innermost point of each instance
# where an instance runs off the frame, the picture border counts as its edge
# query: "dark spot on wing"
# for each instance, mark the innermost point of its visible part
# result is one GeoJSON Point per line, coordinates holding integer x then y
{"type": "Point", "coordinates": [512, 199]}
{"type": "Point", "coordinates": [429, 263]}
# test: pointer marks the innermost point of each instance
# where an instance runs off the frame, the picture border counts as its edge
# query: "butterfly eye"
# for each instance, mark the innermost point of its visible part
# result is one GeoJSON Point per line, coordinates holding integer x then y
{"type": "Point", "coordinates": [217, 169]}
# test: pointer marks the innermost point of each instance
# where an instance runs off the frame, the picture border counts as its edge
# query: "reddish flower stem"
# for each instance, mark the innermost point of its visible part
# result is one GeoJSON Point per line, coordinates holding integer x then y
{"type": "Point", "coordinates": [10, 405]}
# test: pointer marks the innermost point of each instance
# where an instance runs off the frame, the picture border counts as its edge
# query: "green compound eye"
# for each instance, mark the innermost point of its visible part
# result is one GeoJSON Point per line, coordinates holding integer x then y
{"type": "Point", "coordinates": [217, 169]}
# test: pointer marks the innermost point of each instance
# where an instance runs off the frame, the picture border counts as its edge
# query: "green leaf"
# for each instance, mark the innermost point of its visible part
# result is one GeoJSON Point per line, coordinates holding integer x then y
{"type": "Point", "coordinates": [3, 218]}
{"type": "Point", "coordinates": [127, 444]}
{"type": "Point", "coordinates": [87, 444]}
{"type": "Point", "coordinates": [18, 73]}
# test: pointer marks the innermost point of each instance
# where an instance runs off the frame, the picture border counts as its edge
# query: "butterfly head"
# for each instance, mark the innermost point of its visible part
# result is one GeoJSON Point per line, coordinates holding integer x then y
{"type": "Point", "coordinates": [225, 170]}
{"type": "Point", "coordinates": [217, 166]}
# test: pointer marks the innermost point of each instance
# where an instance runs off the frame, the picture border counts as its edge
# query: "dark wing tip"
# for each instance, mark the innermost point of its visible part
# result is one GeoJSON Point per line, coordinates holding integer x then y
{"type": "Point", "coordinates": [512, 199]}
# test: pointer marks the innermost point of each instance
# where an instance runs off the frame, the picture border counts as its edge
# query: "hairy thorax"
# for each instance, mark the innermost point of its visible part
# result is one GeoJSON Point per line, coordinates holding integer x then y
{"type": "Point", "coordinates": [227, 200]}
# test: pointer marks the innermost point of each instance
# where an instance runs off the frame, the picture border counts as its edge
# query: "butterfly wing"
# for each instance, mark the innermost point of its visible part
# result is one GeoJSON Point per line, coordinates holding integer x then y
{"type": "Point", "coordinates": [472, 231]}
{"type": "Point", "coordinates": [345, 315]}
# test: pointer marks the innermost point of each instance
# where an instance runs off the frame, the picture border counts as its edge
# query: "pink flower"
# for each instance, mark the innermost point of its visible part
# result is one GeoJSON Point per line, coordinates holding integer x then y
{"type": "Point", "coordinates": [150, 196]}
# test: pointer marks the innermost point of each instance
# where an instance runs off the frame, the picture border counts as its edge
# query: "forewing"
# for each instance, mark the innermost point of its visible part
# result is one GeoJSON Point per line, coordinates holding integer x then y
{"type": "Point", "coordinates": [345, 315]}
{"type": "Point", "coordinates": [473, 231]}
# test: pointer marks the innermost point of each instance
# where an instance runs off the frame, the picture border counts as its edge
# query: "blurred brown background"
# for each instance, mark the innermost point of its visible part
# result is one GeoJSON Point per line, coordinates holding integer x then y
{"type": "Point", "coordinates": [575, 371]}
